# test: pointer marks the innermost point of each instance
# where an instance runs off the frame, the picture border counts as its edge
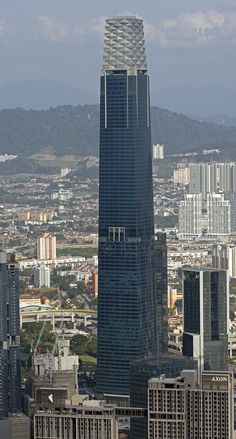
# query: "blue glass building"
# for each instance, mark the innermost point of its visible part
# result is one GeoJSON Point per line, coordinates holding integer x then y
{"type": "Point", "coordinates": [206, 314]}
{"type": "Point", "coordinates": [130, 307]}
{"type": "Point", "coordinates": [10, 373]}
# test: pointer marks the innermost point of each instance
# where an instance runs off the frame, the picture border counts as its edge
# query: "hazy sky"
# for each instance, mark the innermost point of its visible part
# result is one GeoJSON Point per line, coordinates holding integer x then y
{"type": "Point", "coordinates": [189, 42]}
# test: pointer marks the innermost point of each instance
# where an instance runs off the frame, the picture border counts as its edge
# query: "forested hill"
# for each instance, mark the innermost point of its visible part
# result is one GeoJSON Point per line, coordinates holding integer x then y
{"type": "Point", "coordinates": [75, 130]}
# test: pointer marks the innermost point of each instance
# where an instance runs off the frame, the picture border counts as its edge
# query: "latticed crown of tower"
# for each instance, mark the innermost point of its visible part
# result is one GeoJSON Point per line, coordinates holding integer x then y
{"type": "Point", "coordinates": [124, 45]}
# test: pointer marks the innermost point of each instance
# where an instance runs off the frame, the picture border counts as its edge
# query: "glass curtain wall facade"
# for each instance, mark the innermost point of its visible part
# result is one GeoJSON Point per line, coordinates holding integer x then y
{"type": "Point", "coordinates": [206, 311]}
{"type": "Point", "coordinates": [10, 373]}
{"type": "Point", "coordinates": [127, 304]}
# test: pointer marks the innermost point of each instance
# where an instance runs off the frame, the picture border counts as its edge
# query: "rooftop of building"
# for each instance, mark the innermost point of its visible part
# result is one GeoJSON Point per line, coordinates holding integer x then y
{"type": "Point", "coordinates": [124, 47]}
{"type": "Point", "coordinates": [124, 17]}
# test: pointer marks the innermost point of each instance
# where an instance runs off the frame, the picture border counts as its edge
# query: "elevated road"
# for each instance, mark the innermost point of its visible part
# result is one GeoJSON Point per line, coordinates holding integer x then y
{"type": "Point", "coordinates": [55, 317]}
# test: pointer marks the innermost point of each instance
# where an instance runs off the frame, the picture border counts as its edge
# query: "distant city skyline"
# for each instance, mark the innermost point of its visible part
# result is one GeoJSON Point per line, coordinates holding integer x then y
{"type": "Point", "coordinates": [186, 41]}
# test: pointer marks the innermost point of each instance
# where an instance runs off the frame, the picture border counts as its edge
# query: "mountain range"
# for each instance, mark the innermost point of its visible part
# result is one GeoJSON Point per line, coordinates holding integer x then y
{"type": "Point", "coordinates": [75, 130]}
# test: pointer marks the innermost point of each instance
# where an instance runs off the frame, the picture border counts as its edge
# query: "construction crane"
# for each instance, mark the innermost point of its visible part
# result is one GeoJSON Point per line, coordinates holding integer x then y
{"type": "Point", "coordinates": [34, 349]}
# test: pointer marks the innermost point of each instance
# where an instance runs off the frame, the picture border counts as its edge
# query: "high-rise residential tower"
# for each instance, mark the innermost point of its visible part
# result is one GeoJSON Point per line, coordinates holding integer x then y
{"type": "Point", "coordinates": [190, 216]}
{"type": "Point", "coordinates": [130, 307]}
{"type": "Point", "coordinates": [212, 177]}
{"type": "Point", "coordinates": [42, 276]}
{"type": "Point", "coordinates": [10, 374]}
{"type": "Point", "coordinates": [46, 247]}
{"type": "Point", "coordinates": [224, 258]}
{"type": "Point", "coordinates": [231, 197]}
{"type": "Point", "coordinates": [218, 215]}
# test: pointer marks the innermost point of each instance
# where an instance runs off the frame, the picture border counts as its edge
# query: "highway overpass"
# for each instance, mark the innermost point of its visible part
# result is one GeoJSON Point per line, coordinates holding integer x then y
{"type": "Point", "coordinates": [55, 317]}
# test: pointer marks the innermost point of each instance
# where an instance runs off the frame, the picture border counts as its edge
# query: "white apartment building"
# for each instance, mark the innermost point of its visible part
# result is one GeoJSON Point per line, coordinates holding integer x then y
{"type": "Point", "coordinates": [190, 216]}
{"type": "Point", "coordinates": [212, 177]}
{"type": "Point", "coordinates": [224, 257]}
{"type": "Point", "coordinates": [42, 276]}
{"type": "Point", "coordinates": [218, 215]}
{"type": "Point", "coordinates": [63, 195]}
{"type": "Point", "coordinates": [158, 152]}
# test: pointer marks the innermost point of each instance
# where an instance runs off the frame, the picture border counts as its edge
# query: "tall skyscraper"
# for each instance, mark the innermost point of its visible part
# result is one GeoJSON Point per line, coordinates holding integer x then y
{"type": "Point", "coordinates": [129, 305]}
{"type": "Point", "coordinates": [10, 374]}
{"type": "Point", "coordinates": [206, 314]}
{"type": "Point", "coordinates": [190, 216]}
{"type": "Point", "coordinates": [46, 247]}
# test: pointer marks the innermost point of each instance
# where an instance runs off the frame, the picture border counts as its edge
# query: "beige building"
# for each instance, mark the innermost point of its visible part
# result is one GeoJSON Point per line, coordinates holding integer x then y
{"type": "Point", "coordinates": [36, 216]}
{"type": "Point", "coordinates": [95, 283]}
{"type": "Point", "coordinates": [180, 408]}
{"type": "Point", "coordinates": [86, 420]}
{"type": "Point", "coordinates": [15, 427]}
{"type": "Point", "coordinates": [172, 296]}
{"type": "Point", "coordinates": [181, 176]}
{"type": "Point", "coordinates": [54, 379]}
{"type": "Point", "coordinates": [46, 247]}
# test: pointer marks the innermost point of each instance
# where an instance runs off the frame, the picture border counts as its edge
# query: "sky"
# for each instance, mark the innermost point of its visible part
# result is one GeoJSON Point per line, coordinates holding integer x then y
{"type": "Point", "coordinates": [189, 42]}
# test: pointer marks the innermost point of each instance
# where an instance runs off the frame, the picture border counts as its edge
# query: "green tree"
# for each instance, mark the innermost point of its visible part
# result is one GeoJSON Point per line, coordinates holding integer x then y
{"type": "Point", "coordinates": [83, 345]}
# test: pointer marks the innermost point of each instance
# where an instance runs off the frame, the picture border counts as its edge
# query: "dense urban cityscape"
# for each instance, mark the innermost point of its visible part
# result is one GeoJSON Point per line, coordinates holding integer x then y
{"type": "Point", "coordinates": [118, 278]}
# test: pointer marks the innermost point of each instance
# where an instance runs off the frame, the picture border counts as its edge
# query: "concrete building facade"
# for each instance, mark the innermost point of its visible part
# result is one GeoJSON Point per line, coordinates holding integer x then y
{"type": "Point", "coordinates": [218, 215]}
{"type": "Point", "coordinates": [181, 176]}
{"type": "Point", "coordinates": [182, 408]}
{"type": "Point", "coordinates": [224, 258]}
{"type": "Point", "coordinates": [89, 420]}
{"type": "Point", "coordinates": [190, 216]}
{"type": "Point", "coordinates": [212, 177]}
{"type": "Point", "coordinates": [46, 247]}
{"type": "Point", "coordinates": [42, 278]}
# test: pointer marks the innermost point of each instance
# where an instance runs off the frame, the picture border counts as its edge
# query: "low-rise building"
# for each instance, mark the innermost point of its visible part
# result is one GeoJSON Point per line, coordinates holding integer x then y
{"type": "Point", "coordinates": [89, 419]}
